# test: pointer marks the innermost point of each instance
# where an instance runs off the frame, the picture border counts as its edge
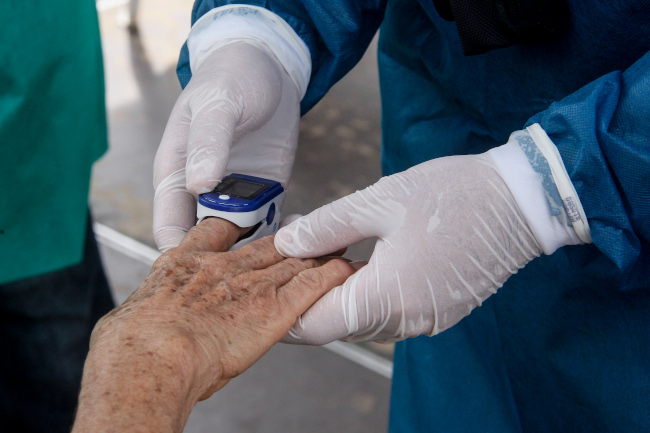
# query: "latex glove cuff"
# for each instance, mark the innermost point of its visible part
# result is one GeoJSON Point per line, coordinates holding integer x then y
{"type": "Point", "coordinates": [244, 23]}
{"type": "Point", "coordinates": [533, 170]}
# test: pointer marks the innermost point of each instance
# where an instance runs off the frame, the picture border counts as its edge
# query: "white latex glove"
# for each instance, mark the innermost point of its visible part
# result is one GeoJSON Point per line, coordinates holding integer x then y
{"type": "Point", "coordinates": [450, 233]}
{"type": "Point", "coordinates": [238, 114]}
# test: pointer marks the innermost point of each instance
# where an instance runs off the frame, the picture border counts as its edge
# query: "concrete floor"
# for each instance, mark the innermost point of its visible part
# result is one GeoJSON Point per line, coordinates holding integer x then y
{"type": "Point", "coordinates": [291, 388]}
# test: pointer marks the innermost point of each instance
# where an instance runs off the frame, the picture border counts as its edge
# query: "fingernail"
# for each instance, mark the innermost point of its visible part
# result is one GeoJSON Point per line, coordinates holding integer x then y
{"type": "Point", "coordinates": [358, 264]}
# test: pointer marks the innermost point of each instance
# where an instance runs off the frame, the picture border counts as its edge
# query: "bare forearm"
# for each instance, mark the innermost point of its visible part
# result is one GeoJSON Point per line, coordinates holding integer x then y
{"type": "Point", "coordinates": [138, 391]}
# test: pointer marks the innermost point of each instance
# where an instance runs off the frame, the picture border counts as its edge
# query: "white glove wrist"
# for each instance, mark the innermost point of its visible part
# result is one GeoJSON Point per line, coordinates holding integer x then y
{"type": "Point", "coordinates": [243, 23]}
{"type": "Point", "coordinates": [533, 171]}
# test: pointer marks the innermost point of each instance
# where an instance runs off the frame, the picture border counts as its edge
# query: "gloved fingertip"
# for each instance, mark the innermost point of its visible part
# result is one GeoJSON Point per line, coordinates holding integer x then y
{"type": "Point", "coordinates": [282, 239]}
{"type": "Point", "coordinates": [166, 239]}
{"type": "Point", "coordinates": [201, 186]}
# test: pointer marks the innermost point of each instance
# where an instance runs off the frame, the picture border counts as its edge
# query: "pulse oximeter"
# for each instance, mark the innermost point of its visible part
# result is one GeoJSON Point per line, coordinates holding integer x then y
{"type": "Point", "coordinates": [246, 201]}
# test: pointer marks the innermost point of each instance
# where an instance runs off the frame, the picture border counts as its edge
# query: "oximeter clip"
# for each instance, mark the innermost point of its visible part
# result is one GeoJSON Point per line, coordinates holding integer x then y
{"type": "Point", "coordinates": [246, 201]}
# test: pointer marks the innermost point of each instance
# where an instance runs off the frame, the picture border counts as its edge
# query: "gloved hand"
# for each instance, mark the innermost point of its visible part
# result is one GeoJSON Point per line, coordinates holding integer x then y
{"type": "Point", "coordinates": [239, 113]}
{"type": "Point", "coordinates": [449, 235]}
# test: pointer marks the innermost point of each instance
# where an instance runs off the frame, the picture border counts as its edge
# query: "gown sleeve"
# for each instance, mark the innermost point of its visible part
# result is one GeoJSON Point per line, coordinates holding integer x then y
{"type": "Point", "coordinates": [337, 33]}
{"type": "Point", "coordinates": [602, 132]}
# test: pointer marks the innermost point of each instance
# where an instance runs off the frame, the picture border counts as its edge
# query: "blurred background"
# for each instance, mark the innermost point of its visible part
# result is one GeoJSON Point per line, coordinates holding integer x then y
{"type": "Point", "coordinates": [343, 388]}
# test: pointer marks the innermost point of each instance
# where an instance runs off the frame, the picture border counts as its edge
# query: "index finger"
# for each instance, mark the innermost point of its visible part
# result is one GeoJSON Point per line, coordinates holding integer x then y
{"type": "Point", "coordinates": [212, 234]}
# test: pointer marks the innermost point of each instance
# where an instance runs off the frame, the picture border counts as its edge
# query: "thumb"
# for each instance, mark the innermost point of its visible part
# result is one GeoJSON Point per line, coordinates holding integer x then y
{"type": "Point", "coordinates": [346, 221]}
{"type": "Point", "coordinates": [210, 137]}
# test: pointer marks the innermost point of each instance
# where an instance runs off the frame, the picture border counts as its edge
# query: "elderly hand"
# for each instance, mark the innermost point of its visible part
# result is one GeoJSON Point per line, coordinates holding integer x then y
{"type": "Point", "coordinates": [201, 318]}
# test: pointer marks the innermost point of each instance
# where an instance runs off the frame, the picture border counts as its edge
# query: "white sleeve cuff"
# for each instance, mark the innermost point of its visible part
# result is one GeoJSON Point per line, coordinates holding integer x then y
{"type": "Point", "coordinates": [537, 191]}
{"type": "Point", "coordinates": [568, 193]}
{"type": "Point", "coordinates": [236, 23]}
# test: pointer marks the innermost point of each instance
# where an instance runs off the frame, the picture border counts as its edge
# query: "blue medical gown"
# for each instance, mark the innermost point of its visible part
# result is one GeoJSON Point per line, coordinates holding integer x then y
{"type": "Point", "coordinates": [565, 344]}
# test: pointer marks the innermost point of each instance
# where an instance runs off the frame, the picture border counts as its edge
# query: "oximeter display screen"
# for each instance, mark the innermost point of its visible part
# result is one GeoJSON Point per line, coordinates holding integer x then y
{"type": "Point", "coordinates": [240, 188]}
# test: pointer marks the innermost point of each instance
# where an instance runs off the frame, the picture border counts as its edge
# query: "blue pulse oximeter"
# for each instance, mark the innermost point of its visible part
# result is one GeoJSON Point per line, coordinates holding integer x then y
{"type": "Point", "coordinates": [246, 201]}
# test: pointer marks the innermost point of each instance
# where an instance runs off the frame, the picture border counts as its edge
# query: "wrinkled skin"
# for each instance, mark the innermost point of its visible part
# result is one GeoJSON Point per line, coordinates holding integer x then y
{"type": "Point", "coordinates": [201, 318]}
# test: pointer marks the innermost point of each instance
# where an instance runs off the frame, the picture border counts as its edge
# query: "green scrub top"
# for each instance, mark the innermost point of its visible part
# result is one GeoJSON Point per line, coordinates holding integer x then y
{"type": "Point", "coordinates": [52, 128]}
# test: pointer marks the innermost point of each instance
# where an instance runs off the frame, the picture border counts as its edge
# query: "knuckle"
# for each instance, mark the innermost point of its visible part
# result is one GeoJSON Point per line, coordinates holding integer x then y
{"type": "Point", "coordinates": [167, 258]}
{"type": "Point", "coordinates": [311, 263]}
{"type": "Point", "coordinates": [250, 281]}
{"type": "Point", "coordinates": [267, 283]}
{"type": "Point", "coordinates": [299, 265]}
{"type": "Point", "coordinates": [195, 231]}
{"type": "Point", "coordinates": [311, 277]}
{"type": "Point", "coordinates": [237, 282]}
{"type": "Point", "coordinates": [178, 263]}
